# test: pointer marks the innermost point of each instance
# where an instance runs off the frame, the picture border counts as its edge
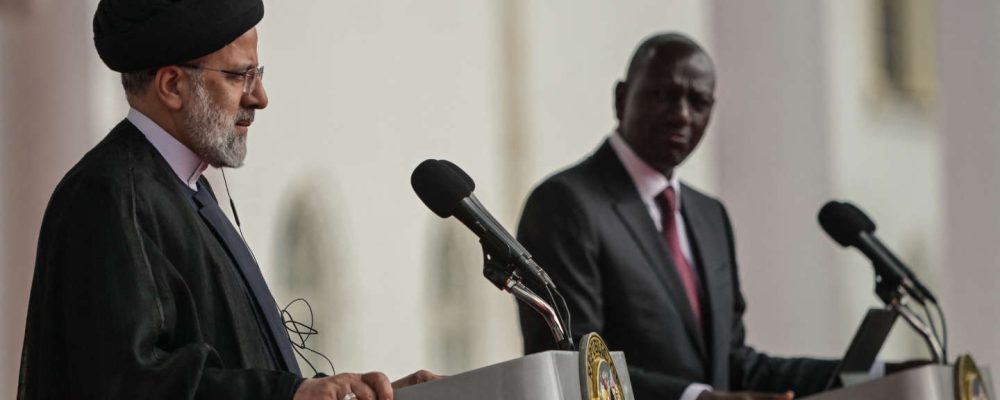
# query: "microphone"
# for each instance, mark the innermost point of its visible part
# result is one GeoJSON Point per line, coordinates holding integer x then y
{"type": "Point", "coordinates": [447, 190]}
{"type": "Point", "coordinates": [849, 226]}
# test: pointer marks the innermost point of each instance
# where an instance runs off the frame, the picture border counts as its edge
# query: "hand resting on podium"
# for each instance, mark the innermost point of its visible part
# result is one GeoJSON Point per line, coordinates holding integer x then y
{"type": "Point", "coordinates": [351, 386]}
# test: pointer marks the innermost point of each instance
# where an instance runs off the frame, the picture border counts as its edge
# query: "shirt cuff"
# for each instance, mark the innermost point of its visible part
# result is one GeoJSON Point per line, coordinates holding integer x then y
{"type": "Point", "coordinates": [878, 370]}
{"type": "Point", "coordinates": [694, 390]}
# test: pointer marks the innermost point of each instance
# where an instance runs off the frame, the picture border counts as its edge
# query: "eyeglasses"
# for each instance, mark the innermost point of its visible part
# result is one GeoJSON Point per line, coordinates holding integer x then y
{"type": "Point", "coordinates": [250, 76]}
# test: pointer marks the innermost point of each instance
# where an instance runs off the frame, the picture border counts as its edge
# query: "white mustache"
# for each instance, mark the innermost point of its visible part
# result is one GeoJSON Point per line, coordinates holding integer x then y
{"type": "Point", "coordinates": [245, 115]}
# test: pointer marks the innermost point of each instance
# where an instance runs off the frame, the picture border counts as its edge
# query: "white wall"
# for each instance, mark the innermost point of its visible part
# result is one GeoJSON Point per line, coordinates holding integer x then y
{"type": "Point", "coordinates": [970, 108]}
{"type": "Point", "coordinates": [380, 87]}
{"type": "Point", "coordinates": [771, 120]}
{"type": "Point", "coordinates": [885, 159]}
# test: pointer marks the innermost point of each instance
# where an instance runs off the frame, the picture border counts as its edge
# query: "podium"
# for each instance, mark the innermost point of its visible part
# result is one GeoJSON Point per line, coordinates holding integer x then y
{"type": "Point", "coordinates": [929, 382]}
{"type": "Point", "coordinates": [552, 375]}
{"type": "Point", "coordinates": [556, 375]}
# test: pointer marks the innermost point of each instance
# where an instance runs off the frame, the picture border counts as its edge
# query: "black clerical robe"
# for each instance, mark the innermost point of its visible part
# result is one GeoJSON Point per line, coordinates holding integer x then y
{"type": "Point", "coordinates": [134, 297]}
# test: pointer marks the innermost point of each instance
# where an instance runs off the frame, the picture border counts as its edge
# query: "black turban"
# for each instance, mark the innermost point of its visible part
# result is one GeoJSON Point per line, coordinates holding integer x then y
{"type": "Point", "coordinates": [132, 35]}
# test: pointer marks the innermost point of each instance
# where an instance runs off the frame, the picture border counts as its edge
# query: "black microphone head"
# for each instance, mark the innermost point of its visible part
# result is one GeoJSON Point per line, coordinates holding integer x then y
{"type": "Point", "coordinates": [844, 222]}
{"type": "Point", "coordinates": [460, 172]}
{"type": "Point", "coordinates": [440, 187]}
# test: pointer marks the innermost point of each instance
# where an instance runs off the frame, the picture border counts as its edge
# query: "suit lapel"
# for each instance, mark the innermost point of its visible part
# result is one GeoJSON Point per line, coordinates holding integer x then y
{"type": "Point", "coordinates": [634, 214]}
{"type": "Point", "coordinates": [219, 223]}
{"type": "Point", "coordinates": [709, 256]}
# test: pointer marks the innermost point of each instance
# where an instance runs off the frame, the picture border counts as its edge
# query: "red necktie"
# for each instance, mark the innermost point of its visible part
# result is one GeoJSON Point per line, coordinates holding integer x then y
{"type": "Point", "coordinates": [668, 206]}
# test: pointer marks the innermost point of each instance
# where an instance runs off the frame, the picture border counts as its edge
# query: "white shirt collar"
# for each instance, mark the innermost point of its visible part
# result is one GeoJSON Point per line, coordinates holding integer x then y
{"type": "Point", "coordinates": [185, 163]}
{"type": "Point", "coordinates": [648, 181]}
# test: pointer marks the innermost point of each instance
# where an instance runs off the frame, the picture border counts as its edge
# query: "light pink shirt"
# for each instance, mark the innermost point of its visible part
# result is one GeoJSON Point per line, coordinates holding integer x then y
{"type": "Point", "coordinates": [185, 163]}
{"type": "Point", "coordinates": [650, 183]}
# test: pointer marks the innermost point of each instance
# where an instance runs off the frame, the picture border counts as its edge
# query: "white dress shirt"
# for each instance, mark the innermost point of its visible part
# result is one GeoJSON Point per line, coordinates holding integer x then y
{"type": "Point", "coordinates": [186, 164]}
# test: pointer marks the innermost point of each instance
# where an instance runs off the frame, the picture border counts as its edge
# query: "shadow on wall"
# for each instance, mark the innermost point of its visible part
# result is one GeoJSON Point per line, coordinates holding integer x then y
{"type": "Point", "coordinates": [455, 296]}
{"type": "Point", "coordinates": [311, 268]}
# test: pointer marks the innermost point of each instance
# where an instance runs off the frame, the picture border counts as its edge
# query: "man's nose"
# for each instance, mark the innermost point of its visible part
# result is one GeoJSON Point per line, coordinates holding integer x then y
{"type": "Point", "coordinates": [257, 98]}
{"type": "Point", "coordinates": [679, 112]}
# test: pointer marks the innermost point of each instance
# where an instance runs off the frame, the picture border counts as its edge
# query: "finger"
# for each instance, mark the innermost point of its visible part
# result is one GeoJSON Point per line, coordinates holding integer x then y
{"type": "Point", "coordinates": [380, 384]}
{"type": "Point", "coordinates": [362, 390]}
{"type": "Point", "coordinates": [402, 382]}
{"type": "Point", "coordinates": [426, 376]}
{"type": "Point", "coordinates": [339, 385]}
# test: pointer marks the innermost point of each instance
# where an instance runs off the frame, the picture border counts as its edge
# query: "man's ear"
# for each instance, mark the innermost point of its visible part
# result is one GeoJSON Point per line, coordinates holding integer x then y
{"type": "Point", "coordinates": [621, 91]}
{"type": "Point", "coordinates": [168, 84]}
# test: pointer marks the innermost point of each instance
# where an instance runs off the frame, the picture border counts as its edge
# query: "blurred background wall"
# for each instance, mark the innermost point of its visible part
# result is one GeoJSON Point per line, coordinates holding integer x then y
{"type": "Point", "coordinates": [893, 104]}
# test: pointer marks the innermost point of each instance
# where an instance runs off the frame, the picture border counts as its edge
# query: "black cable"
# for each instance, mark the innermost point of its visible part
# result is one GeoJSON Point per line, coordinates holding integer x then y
{"type": "Point", "coordinates": [286, 316]}
{"type": "Point", "coordinates": [932, 325]}
{"type": "Point", "coordinates": [568, 319]}
{"type": "Point", "coordinates": [555, 306]}
{"type": "Point", "coordinates": [315, 372]}
{"type": "Point", "coordinates": [944, 331]}
{"type": "Point", "coordinates": [236, 216]}
{"type": "Point", "coordinates": [569, 315]}
{"type": "Point", "coordinates": [303, 331]}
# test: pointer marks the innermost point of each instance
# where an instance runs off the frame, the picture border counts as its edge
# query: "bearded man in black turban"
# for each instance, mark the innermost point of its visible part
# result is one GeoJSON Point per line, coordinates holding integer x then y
{"type": "Point", "coordinates": [142, 287]}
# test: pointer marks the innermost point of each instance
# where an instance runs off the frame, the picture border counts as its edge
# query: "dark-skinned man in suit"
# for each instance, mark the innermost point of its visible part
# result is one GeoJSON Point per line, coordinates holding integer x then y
{"type": "Point", "coordinates": [647, 261]}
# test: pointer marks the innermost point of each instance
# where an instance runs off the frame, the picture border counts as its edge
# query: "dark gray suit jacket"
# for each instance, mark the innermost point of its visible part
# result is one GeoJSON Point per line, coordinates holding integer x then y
{"type": "Point", "coordinates": [592, 233]}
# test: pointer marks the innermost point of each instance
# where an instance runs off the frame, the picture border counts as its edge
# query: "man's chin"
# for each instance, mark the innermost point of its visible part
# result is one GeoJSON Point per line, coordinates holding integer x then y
{"type": "Point", "coordinates": [667, 165]}
{"type": "Point", "coordinates": [676, 157]}
{"type": "Point", "coordinates": [231, 165]}
{"type": "Point", "coordinates": [222, 161]}
{"type": "Point", "coordinates": [231, 155]}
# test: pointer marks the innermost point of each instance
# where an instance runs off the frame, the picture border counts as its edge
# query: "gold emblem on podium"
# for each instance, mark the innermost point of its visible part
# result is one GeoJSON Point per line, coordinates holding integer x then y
{"type": "Point", "coordinates": [969, 383]}
{"type": "Point", "coordinates": [598, 374]}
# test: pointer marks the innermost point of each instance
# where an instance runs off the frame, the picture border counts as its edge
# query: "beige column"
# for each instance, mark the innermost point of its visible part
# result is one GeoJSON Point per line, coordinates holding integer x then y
{"type": "Point", "coordinates": [771, 133]}
{"type": "Point", "coordinates": [44, 128]}
{"type": "Point", "coordinates": [968, 43]}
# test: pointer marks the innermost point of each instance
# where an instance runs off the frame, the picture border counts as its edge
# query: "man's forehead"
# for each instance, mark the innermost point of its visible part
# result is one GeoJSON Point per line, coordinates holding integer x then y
{"type": "Point", "coordinates": [678, 55]}
{"type": "Point", "coordinates": [671, 67]}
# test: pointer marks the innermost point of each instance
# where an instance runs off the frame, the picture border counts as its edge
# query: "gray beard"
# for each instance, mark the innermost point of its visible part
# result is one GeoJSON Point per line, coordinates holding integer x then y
{"type": "Point", "coordinates": [212, 134]}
